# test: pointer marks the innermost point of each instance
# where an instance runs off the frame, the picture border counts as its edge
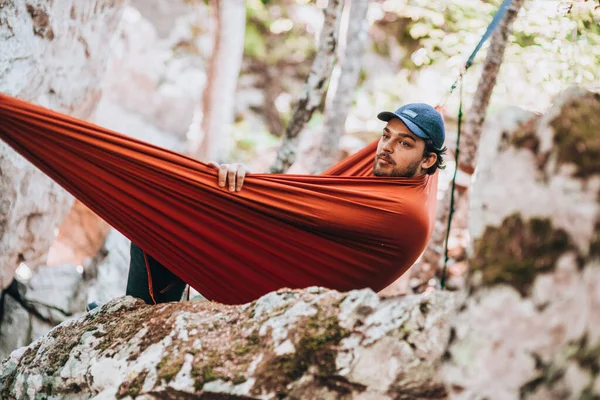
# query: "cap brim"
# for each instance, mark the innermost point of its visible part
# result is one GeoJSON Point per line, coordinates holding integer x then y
{"type": "Point", "coordinates": [386, 115]}
{"type": "Point", "coordinates": [414, 128]}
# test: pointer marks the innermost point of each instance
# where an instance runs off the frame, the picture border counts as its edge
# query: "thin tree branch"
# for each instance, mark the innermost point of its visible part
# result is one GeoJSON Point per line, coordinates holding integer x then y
{"type": "Point", "coordinates": [471, 135]}
{"type": "Point", "coordinates": [314, 88]}
{"type": "Point", "coordinates": [337, 112]}
{"type": "Point", "coordinates": [491, 66]}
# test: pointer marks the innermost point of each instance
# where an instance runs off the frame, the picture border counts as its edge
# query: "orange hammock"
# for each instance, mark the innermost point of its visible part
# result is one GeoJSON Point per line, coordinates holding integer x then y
{"type": "Point", "coordinates": [343, 230]}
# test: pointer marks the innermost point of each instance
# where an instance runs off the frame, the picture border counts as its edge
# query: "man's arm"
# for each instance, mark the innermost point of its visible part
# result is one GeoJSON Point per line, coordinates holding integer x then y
{"type": "Point", "coordinates": [230, 175]}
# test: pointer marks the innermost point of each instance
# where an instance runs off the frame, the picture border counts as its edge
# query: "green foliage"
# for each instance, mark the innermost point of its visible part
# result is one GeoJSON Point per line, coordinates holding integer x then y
{"type": "Point", "coordinates": [272, 34]}
{"type": "Point", "coordinates": [417, 48]}
{"type": "Point", "coordinates": [440, 29]}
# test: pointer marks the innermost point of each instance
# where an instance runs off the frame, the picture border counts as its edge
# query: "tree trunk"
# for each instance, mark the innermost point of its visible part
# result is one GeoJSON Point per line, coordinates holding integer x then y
{"type": "Point", "coordinates": [356, 26]}
{"type": "Point", "coordinates": [474, 120]}
{"type": "Point", "coordinates": [270, 83]}
{"type": "Point", "coordinates": [212, 139]}
{"type": "Point", "coordinates": [314, 88]}
{"type": "Point", "coordinates": [53, 54]}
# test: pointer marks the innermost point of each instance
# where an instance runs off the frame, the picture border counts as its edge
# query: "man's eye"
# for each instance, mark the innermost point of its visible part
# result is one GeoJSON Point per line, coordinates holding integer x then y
{"type": "Point", "coordinates": [404, 143]}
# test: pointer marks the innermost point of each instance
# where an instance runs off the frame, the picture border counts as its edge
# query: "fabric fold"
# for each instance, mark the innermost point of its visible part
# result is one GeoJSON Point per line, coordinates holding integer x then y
{"type": "Point", "coordinates": [344, 229]}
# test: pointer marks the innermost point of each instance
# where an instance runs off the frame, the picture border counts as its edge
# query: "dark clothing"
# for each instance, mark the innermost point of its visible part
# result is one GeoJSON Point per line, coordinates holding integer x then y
{"type": "Point", "coordinates": [167, 286]}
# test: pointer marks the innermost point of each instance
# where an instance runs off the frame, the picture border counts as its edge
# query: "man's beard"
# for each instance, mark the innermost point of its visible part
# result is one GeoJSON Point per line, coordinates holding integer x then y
{"type": "Point", "coordinates": [408, 172]}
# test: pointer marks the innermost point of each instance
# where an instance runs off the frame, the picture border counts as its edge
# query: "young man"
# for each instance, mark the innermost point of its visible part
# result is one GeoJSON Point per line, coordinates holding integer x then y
{"type": "Point", "coordinates": [411, 145]}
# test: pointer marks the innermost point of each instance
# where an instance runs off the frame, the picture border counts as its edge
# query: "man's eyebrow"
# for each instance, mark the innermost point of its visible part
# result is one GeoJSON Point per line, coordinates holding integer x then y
{"type": "Point", "coordinates": [407, 136]}
{"type": "Point", "coordinates": [401, 134]}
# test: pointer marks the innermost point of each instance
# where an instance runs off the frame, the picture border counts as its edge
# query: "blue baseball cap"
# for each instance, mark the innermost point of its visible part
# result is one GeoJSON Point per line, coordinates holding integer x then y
{"type": "Point", "coordinates": [422, 120]}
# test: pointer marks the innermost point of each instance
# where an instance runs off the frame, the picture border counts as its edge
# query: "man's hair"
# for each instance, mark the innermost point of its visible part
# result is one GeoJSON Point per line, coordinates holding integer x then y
{"type": "Point", "coordinates": [429, 149]}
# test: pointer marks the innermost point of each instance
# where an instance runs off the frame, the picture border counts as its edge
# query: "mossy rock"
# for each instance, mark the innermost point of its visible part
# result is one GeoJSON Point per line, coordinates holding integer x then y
{"type": "Point", "coordinates": [319, 337]}
{"type": "Point", "coordinates": [576, 134]}
{"type": "Point", "coordinates": [517, 251]}
{"type": "Point", "coordinates": [133, 387]}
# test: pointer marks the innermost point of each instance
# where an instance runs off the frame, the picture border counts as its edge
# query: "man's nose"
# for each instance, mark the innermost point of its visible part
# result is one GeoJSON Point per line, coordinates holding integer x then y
{"type": "Point", "coordinates": [388, 147]}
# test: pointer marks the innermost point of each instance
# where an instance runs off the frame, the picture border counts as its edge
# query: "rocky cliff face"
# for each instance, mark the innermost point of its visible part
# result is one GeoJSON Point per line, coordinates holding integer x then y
{"type": "Point", "coordinates": [53, 54]}
{"type": "Point", "coordinates": [527, 327]}
{"type": "Point", "coordinates": [530, 327]}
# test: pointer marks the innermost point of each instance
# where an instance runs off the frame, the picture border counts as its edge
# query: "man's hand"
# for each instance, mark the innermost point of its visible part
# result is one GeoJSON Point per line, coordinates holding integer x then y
{"type": "Point", "coordinates": [230, 175]}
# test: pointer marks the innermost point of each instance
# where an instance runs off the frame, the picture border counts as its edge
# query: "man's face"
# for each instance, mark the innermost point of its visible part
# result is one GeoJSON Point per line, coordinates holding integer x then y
{"type": "Point", "coordinates": [400, 152]}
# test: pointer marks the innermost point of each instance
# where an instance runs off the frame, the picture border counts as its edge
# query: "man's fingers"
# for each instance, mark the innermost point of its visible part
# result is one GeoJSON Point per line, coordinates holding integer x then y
{"type": "Point", "coordinates": [230, 175]}
{"type": "Point", "coordinates": [241, 175]}
{"type": "Point", "coordinates": [231, 172]}
{"type": "Point", "coordinates": [222, 174]}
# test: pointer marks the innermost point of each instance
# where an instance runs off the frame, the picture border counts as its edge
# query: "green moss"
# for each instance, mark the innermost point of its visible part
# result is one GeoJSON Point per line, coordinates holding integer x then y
{"type": "Point", "coordinates": [549, 374]}
{"type": "Point", "coordinates": [170, 366]}
{"type": "Point", "coordinates": [133, 387]}
{"type": "Point", "coordinates": [588, 357]}
{"type": "Point", "coordinates": [203, 375]}
{"type": "Point", "coordinates": [588, 394]}
{"type": "Point", "coordinates": [30, 354]}
{"type": "Point", "coordinates": [254, 338]}
{"type": "Point", "coordinates": [319, 337]}
{"type": "Point", "coordinates": [209, 374]}
{"type": "Point", "coordinates": [119, 330]}
{"type": "Point", "coordinates": [8, 376]}
{"type": "Point", "coordinates": [576, 134]}
{"type": "Point", "coordinates": [65, 341]}
{"type": "Point", "coordinates": [241, 350]}
{"type": "Point", "coordinates": [595, 243]}
{"type": "Point", "coordinates": [525, 136]}
{"type": "Point", "coordinates": [205, 370]}
{"type": "Point", "coordinates": [424, 307]}
{"type": "Point", "coordinates": [517, 251]}
{"type": "Point", "coordinates": [228, 366]}
{"type": "Point", "coordinates": [247, 345]}
{"type": "Point", "coordinates": [112, 329]}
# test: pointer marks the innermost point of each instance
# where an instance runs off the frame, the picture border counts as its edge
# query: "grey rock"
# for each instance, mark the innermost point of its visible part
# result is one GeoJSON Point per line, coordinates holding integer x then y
{"type": "Point", "coordinates": [54, 288]}
{"type": "Point", "coordinates": [111, 270]}
{"type": "Point", "coordinates": [48, 50]}
{"type": "Point", "coordinates": [129, 348]}
{"type": "Point", "coordinates": [530, 327]}
{"type": "Point", "coordinates": [15, 330]}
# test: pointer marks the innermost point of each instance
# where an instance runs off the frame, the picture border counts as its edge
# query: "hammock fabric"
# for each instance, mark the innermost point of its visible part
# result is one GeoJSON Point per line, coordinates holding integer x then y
{"type": "Point", "coordinates": [345, 229]}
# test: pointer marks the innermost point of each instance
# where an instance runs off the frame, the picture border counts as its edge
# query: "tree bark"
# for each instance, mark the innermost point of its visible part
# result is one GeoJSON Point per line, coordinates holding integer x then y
{"type": "Point", "coordinates": [212, 139]}
{"type": "Point", "coordinates": [314, 88]}
{"type": "Point", "coordinates": [356, 26]}
{"type": "Point", "coordinates": [270, 83]}
{"type": "Point", "coordinates": [53, 54]}
{"type": "Point", "coordinates": [476, 116]}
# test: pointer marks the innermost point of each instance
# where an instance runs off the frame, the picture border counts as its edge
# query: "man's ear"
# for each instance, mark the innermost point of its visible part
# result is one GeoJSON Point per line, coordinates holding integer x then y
{"type": "Point", "coordinates": [429, 161]}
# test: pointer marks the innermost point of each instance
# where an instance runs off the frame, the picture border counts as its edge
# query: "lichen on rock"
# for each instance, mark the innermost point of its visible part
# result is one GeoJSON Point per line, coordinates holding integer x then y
{"type": "Point", "coordinates": [314, 344]}
{"type": "Point", "coordinates": [515, 252]}
{"type": "Point", "coordinates": [529, 327]}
